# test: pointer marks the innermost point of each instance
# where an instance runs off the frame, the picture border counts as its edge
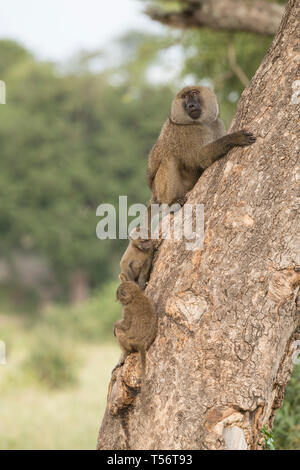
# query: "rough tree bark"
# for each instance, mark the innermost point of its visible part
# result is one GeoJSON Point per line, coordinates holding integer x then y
{"type": "Point", "coordinates": [228, 316]}
{"type": "Point", "coordinates": [256, 16]}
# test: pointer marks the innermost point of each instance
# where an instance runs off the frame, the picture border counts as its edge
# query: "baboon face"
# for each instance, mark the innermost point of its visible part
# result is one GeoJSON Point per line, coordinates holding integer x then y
{"type": "Point", "coordinates": [195, 104]}
{"type": "Point", "coordinates": [143, 244]}
{"type": "Point", "coordinates": [127, 291]}
{"type": "Point", "coordinates": [191, 103]}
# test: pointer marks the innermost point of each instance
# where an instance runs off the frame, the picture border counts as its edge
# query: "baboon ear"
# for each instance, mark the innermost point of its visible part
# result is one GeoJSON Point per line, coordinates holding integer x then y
{"type": "Point", "coordinates": [135, 234]}
{"type": "Point", "coordinates": [123, 277]}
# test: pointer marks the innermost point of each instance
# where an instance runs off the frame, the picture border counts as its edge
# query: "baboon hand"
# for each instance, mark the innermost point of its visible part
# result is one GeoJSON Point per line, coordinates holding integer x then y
{"type": "Point", "coordinates": [181, 200]}
{"type": "Point", "coordinates": [244, 138]}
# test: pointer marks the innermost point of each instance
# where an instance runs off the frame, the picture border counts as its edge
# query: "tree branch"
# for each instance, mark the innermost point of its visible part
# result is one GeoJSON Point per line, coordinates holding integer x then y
{"type": "Point", "coordinates": [256, 16]}
{"type": "Point", "coordinates": [236, 69]}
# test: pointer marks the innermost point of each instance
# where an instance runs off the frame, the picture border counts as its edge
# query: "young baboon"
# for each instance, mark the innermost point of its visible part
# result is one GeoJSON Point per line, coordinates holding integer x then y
{"type": "Point", "coordinates": [138, 327]}
{"type": "Point", "coordinates": [136, 262]}
{"type": "Point", "coordinates": [191, 140]}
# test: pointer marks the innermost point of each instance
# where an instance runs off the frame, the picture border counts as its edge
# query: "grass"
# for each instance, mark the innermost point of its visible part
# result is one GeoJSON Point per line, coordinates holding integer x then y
{"type": "Point", "coordinates": [54, 385]}
{"type": "Point", "coordinates": [36, 417]}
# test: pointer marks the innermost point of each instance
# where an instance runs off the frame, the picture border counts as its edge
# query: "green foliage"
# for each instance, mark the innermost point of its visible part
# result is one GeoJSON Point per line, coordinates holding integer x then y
{"type": "Point", "coordinates": [53, 339]}
{"type": "Point", "coordinates": [268, 438]}
{"type": "Point", "coordinates": [60, 330]}
{"type": "Point", "coordinates": [12, 54]}
{"type": "Point", "coordinates": [52, 361]}
{"type": "Point", "coordinates": [286, 426]}
{"type": "Point", "coordinates": [92, 320]}
{"type": "Point", "coordinates": [69, 143]}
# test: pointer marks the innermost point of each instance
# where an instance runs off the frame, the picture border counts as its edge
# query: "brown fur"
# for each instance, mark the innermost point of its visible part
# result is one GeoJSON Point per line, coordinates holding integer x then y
{"type": "Point", "coordinates": [187, 146]}
{"type": "Point", "coordinates": [136, 262]}
{"type": "Point", "coordinates": [138, 328]}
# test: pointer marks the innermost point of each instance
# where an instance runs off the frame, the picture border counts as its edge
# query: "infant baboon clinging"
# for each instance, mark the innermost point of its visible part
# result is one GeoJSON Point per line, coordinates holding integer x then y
{"type": "Point", "coordinates": [191, 140]}
{"type": "Point", "coordinates": [137, 260]}
{"type": "Point", "coordinates": [138, 327]}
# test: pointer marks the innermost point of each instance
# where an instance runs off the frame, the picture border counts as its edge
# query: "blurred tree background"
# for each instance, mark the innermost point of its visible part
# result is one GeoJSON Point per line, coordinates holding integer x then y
{"type": "Point", "coordinates": [70, 141]}
{"type": "Point", "coordinates": [74, 137]}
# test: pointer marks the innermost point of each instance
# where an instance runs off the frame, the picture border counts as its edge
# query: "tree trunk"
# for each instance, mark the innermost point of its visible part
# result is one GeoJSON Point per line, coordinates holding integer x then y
{"type": "Point", "coordinates": [227, 313]}
{"type": "Point", "coordinates": [256, 16]}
